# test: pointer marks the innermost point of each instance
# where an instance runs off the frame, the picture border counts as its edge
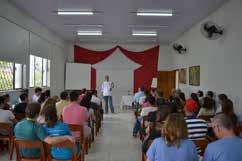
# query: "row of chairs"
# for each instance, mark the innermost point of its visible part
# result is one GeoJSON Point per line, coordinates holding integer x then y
{"type": "Point", "coordinates": [85, 143]}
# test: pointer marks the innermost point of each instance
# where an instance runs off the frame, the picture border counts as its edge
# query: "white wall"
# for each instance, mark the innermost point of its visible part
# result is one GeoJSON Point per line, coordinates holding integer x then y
{"type": "Point", "coordinates": [220, 60]}
{"type": "Point", "coordinates": [21, 36]}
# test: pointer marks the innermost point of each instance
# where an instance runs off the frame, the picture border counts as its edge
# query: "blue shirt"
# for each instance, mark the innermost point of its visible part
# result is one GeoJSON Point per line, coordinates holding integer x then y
{"type": "Point", "coordinates": [59, 129]}
{"type": "Point", "coordinates": [159, 151]}
{"type": "Point", "coordinates": [29, 130]}
{"type": "Point", "coordinates": [138, 95]}
{"type": "Point", "coordinates": [227, 149]}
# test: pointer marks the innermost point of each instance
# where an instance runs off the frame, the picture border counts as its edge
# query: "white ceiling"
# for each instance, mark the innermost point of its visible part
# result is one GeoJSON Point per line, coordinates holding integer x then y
{"type": "Point", "coordinates": [116, 16]}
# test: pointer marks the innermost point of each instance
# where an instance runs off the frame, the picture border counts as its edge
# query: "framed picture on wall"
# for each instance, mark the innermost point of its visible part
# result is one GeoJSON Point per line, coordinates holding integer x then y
{"type": "Point", "coordinates": [183, 76]}
{"type": "Point", "coordinates": [194, 75]}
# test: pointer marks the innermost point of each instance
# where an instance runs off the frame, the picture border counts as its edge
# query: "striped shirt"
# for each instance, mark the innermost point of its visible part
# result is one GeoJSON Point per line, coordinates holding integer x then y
{"type": "Point", "coordinates": [197, 128]}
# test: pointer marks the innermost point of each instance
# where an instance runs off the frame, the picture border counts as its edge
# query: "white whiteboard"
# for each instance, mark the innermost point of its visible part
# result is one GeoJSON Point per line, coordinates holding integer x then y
{"type": "Point", "coordinates": [78, 76]}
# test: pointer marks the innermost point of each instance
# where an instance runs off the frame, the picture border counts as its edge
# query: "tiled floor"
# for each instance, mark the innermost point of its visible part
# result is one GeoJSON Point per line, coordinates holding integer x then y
{"type": "Point", "coordinates": [114, 142]}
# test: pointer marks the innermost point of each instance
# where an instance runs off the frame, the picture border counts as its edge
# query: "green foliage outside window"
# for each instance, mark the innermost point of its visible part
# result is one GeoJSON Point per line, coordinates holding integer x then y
{"type": "Point", "coordinates": [6, 75]}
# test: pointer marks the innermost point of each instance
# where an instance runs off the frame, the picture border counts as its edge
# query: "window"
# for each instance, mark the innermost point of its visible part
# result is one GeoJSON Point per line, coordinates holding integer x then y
{"type": "Point", "coordinates": [31, 71]}
{"type": "Point", "coordinates": [45, 68]}
{"type": "Point", "coordinates": [18, 75]}
{"type": "Point", "coordinates": [11, 75]}
{"type": "Point", "coordinates": [39, 72]}
{"type": "Point", "coordinates": [48, 73]}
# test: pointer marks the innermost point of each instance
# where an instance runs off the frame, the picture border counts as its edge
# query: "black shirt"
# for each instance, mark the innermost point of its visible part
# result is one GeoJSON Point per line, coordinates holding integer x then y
{"type": "Point", "coordinates": [20, 108]}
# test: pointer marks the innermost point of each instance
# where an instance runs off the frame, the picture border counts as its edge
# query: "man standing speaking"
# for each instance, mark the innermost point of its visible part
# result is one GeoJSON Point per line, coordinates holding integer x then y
{"type": "Point", "coordinates": [107, 87]}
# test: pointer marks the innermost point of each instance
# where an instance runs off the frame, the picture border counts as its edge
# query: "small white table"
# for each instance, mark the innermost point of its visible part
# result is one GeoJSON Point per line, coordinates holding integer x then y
{"type": "Point", "coordinates": [126, 101]}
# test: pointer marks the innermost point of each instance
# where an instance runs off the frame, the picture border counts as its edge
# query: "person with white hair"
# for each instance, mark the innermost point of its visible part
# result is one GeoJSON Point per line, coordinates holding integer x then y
{"type": "Point", "coordinates": [107, 87]}
{"type": "Point", "coordinates": [228, 146]}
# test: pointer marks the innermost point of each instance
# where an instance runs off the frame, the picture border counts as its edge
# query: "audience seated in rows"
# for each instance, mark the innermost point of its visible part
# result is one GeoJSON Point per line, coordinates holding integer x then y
{"type": "Point", "coordinates": [29, 129]}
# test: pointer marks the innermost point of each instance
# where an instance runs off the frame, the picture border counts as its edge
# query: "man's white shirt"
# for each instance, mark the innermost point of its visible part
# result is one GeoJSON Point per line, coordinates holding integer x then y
{"type": "Point", "coordinates": [35, 98]}
{"type": "Point", "coordinates": [107, 87]}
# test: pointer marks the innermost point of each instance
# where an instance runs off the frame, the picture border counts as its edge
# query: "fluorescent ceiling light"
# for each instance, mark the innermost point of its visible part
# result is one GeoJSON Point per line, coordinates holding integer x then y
{"type": "Point", "coordinates": [89, 33]}
{"type": "Point", "coordinates": [75, 12]}
{"type": "Point", "coordinates": [81, 25]}
{"type": "Point", "coordinates": [164, 13]}
{"type": "Point", "coordinates": [144, 33]}
{"type": "Point", "coordinates": [142, 40]}
{"type": "Point", "coordinates": [147, 26]}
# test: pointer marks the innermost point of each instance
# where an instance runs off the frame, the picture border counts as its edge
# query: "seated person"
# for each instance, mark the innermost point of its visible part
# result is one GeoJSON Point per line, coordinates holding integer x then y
{"type": "Point", "coordinates": [197, 128]}
{"type": "Point", "coordinates": [221, 98]}
{"type": "Point", "coordinates": [207, 108]}
{"type": "Point", "coordinates": [155, 121]}
{"type": "Point", "coordinates": [29, 129]}
{"type": "Point", "coordinates": [20, 107]}
{"type": "Point", "coordinates": [53, 128]}
{"type": "Point", "coordinates": [151, 108]}
{"type": "Point", "coordinates": [76, 114]}
{"type": "Point", "coordinates": [200, 96]}
{"type": "Point", "coordinates": [160, 101]}
{"type": "Point", "coordinates": [44, 106]}
{"type": "Point", "coordinates": [6, 102]}
{"type": "Point", "coordinates": [6, 116]}
{"type": "Point", "coordinates": [37, 94]}
{"type": "Point", "coordinates": [174, 144]}
{"type": "Point", "coordinates": [85, 102]}
{"type": "Point", "coordinates": [228, 147]}
{"type": "Point", "coordinates": [62, 103]}
{"type": "Point", "coordinates": [210, 95]}
{"type": "Point", "coordinates": [138, 95]}
{"type": "Point", "coordinates": [95, 99]}
{"type": "Point", "coordinates": [228, 109]}
{"type": "Point", "coordinates": [142, 100]}
{"type": "Point", "coordinates": [144, 112]}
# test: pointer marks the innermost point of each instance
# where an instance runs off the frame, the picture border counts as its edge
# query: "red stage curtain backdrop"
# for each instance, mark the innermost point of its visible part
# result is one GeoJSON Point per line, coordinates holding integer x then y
{"type": "Point", "coordinates": [149, 61]}
{"type": "Point", "coordinates": [142, 76]}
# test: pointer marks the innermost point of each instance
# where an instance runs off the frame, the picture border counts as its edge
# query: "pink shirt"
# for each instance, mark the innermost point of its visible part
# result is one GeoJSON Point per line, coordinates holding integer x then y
{"type": "Point", "coordinates": [75, 114]}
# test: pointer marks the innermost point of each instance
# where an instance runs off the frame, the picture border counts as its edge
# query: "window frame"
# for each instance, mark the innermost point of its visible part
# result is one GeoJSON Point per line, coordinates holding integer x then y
{"type": "Point", "coordinates": [42, 71]}
{"type": "Point", "coordinates": [13, 81]}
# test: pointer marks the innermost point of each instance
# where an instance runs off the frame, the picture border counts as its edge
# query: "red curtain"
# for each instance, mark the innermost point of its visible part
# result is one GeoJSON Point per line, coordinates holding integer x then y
{"type": "Point", "coordinates": [85, 56]}
{"type": "Point", "coordinates": [142, 76]}
{"type": "Point", "coordinates": [149, 61]}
